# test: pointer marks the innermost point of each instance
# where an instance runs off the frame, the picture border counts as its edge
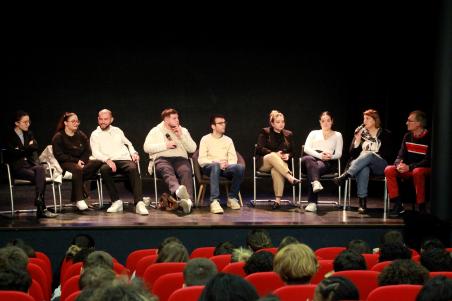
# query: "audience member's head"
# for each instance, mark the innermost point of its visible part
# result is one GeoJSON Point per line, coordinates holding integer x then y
{"type": "Point", "coordinates": [241, 254]}
{"type": "Point", "coordinates": [259, 262]}
{"type": "Point", "coordinates": [403, 271]}
{"type": "Point", "coordinates": [81, 255]}
{"type": "Point", "coordinates": [392, 251]}
{"type": "Point", "coordinates": [359, 246]}
{"type": "Point", "coordinates": [13, 269]}
{"type": "Point", "coordinates": [437, 288]}
{"type": "Point", "coordinates": [80, 242]}
{"type": "Point", "coordinates": [173, 252]}
{"type": "Point", "coordinates": [98, 259]}
{"type": "Point", "coordinates": [349, 260]}
{"type": "Point", "coordinates": [121, 290]}
{"type": "Point", "coordinates": [25, 247]}
{"type": "Point", "coordinates": [96, 276]}
{"type": "Point", "coordinates": [392, 236]}
{"type": "Point", "coordinates": [225, 247]}
{"type": "Point", "coordinates": [287, 240]}
{"type": "Point", "coordinates": [167, 241]}
{"type": "Point", "coordinates": [336, 288]}
{"type": "Point", "coordinates": [269, 298]}
{"type": "Point", "coordinates": [436, 260]}
{"type": "Point", "coordinates": [199, 271]}
{"type": "Point", "coordinates": [225, 287]}
{"type": "Point", "coordinates": [295, 264]}
{"type": "Point", "coordinates": [433, 243]}
{"type": "Point", "coordinates": [84, 241]}
{"type": "Point", "coordinates": [258, 239]}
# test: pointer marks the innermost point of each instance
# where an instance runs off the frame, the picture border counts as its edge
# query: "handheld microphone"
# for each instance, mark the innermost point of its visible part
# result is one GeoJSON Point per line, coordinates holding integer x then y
{"type": "Point", "coordinates": [168, 136]}
{"type": "Point", "coordinates": [359, 128]}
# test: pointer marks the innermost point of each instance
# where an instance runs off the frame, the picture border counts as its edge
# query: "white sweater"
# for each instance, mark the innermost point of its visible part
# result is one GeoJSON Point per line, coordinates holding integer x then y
{"type": "Point", "coordinates": [316, 142]}
{"type": "Point", "coordinates": [110, 144]}
{"type": "Point", "coordinates": [213, 149]}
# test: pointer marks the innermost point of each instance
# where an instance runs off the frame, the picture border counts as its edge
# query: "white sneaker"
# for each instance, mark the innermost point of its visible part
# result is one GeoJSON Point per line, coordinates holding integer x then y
{"type": "Point", "coordinates": [81, 205]}
{"type": "Point", "coordinates": [182, 192]}
{"type": "Point", "coordinates": [147, 201]}
{"type": "Point", "coordinates": [215, 207]}
{"type": "Point", "coordinates": [140, 208]}
{"type": "Point", "coordinates": [311, 207]}
{"type": "Point", "coordinates": [233, 204]}
{"type": "Point", "coordinates": [186, 205]}
{"type": "Point", "coordinates": [115, 207]}
{"type": "Point", "coordinates": [316, 186]}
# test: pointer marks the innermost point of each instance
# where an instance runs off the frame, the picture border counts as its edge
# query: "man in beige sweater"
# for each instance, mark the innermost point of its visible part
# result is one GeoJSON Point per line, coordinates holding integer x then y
{"type": "Point", "coordinates": [168, 145]}
{"type": "Point", "coordinates": [217, 157]}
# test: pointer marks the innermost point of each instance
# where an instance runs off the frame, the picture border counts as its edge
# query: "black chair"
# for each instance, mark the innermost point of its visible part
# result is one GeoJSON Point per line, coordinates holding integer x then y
{"type": "Point", "coordinates": [204, 180]}
{"type": "Point", "coordinates": [325, 177]}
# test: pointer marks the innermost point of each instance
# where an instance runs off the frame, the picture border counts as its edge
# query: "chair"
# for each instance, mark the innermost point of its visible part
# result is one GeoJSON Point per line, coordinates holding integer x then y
{"type": "Point", "coordinates": [153, 272]}
{"type": "Point", "coordinates": [364, 280]}
{"type": "Point", "coordinates": [34, 290]}
{"type": "Point", "coordinates": [38, 274]}
{"type": "Point", "coordinates": [72, 297]}
{"type": "Point", "coordinates": [71, 271]}
{"type": "Point", "coordinates": [166, 284]}
{"type": "Point", "coordinates": [191, 293]}
{"type": "Point", "coordinates": [400, 292]}
{"type": "Point", "coordinates": [347, 192]}
{"type": "Point", "coordinates": [265, 282]}
{"type": "Point", "coordinates": [445, 273]}
{"type": "Point", "coordinates": [120, 269]}
{"type": "Point", "coordinates": [69, 287]}
{"type": "Point", "coordinates": [221, 260]}
{"type": "Point", "coordinates": [270, 250]}
{"type": "Point", "coordinates": [325, 266]}
{"type": "Point", "coordinates": [144, 263]}
{"type": "Point", "coordinates": [18, 182]}
{"type": "Point", "coordinates": [43, 256]}
{"type": "Point", "coordinates": [235, 268]}
{"type": "Point", "coordinates": [380, 266]}
{"type": "Point", "coordinates": [259, 175]}
{"type": "Point", "coordinates": [325, 177]}
{"type": "Point", "coordinates": [136, 255]}
{"type": "Point", "coordinates": [329, 253]}
{"type": "Point", "coordinates": [295, 292]}
{"type": "Point", "coordinates": [204, 252]}
{"type": "Point", "coordinates": [45, 268]}
{"type": "Point", "coordinates": [371, 260]}
{"type": "Point", "coordinates": [15, 296]}
{"type": "Point", "coordinates": [204, 180]}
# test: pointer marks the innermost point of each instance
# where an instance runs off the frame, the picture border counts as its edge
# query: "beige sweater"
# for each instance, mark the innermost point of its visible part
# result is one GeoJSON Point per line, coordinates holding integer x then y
{"type": "Point", "coordinates": [212, 149]}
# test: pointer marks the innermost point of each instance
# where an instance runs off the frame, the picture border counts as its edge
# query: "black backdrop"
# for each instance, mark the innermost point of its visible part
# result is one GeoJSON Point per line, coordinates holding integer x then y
{"type": "Point", "coordinates": [376, 57]}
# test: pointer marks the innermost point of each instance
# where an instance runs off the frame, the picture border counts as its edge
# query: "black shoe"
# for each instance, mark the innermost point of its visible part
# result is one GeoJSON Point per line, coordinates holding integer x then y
{"type": "Point", "coordinates": [44, 213]}
{"type": "Point", "coordinates": [276, 205]}
{"type": "Point", "coordinates": [362, 205]}
{"type": "Point", "coordinates": [398, 211]}
{"type": "Point", "coordinates": [341, 179]}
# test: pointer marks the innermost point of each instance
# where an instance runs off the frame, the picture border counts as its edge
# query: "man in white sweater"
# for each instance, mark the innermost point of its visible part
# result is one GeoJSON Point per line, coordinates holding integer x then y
{"type": "Point", "coordinates": [168, 145]}
{"type": "Point", "coordinates": [110, 145]}
{"type": "Point", "coordinates": [217, 157]}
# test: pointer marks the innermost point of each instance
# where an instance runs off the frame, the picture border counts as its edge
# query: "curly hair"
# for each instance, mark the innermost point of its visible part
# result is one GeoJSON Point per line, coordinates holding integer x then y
{"type": "Point", "coordinates": [259, 262]}
{"type": "Point", "coordinates": [436, 260]}
{"type": "Point", "coordinates": [403, 271]}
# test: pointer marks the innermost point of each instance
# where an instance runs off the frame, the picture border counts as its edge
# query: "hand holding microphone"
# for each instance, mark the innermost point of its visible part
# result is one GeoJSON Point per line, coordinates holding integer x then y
{"type": "Point", "coordinates": [170, 144]}
{"type": "Point", "coordinates": [358, 132]}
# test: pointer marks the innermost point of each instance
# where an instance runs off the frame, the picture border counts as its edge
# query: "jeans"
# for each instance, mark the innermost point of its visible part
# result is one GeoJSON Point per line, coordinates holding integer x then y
{"type": "Point", "coordinates": [361, 167]}
{"type": "Point", "coordinates": [233, 172]}
{"type": "Point", "coordinates": [314, 168]}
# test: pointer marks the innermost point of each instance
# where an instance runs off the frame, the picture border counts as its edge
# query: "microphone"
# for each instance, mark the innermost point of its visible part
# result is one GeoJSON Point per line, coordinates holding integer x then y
{"type": "Point", "coordinates": [359, 128]}
{"type": "Point", "coordinates": [168, 136]}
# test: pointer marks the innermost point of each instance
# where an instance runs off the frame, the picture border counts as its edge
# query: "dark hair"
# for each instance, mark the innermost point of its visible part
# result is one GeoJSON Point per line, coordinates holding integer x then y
{"type": "Point", "coordinates": [392, 251]}
{"type": "Point", "coordinates": [269, 298]}
{"type": "Point", "coordinates": [287, 240]}
{"type": "Point", "coordinates": [13, 269]}
{"type": "Point", "coordinates": [65, 117]}
{"type": "Point", "coordinates": [374, 114]}
{"type": "Point", "coordinates": [403, 271]}
{"type": "Point", "coordinates": [336, 288]}
{"type": "Point", "coordinates": [225, 287]}
{"type": "Point", "coordinates": [93, 277]}
{"type": "Point", "coordinates": [173, 252]}
{"type": "Point", "coordinates": [21, 244]}
{"type": "Point", "coordinates": [199, 271]}
{"type": "Point", "coordinates": [327, 113]}
{"type": "Point", "coordinates": [392, 236]}
{"type": "Point", "coordinates": [84, 241]}
{"type": "Point", "coordinates": [433, 243]}
{"type": "Point", "coordinates": [167, 241]}
{"type": "Point", "coordinates": [19, 114]}
{"type": "Point", "coordinates": [122, 290]}
{"type": "Point", "coordinates": [81, 255]}
{"type": "Point", "coordinates": [259, 262]}
{"type": "Point", "coordinates": [99, 259]}
{"type": "Point", "coordinates": [359, 246]}
{"type": "Point", "coordinates": [167, 112]}
{"type": "Point", "coordinates": [258, 239]}
{"type": "Point", "coordinates": [436, 260]}
{"type": "Point", "coordinates": [349, 260]}
{"type": "Point", "coordinates": [215, 116]}
{"type": "Point", "coordinates": [421, 117]}
{"type": "Point", "coordinates": [438, 288]}
{"type": "Point", "coordinates": [225, 247]}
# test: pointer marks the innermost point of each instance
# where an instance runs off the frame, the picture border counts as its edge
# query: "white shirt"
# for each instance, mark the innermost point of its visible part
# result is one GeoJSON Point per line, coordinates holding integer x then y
{"type": "Point", "coordinates": [317, 142]}
{"type": "Point", "coordinates": [110, 144]}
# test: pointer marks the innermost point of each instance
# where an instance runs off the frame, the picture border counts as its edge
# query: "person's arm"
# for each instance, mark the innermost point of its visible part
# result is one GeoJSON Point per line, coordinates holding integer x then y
{"type": "Point", "coordinates": [261, 148]}
{"type": "Point", "coordinates": [86, 148]}
{"type": "Point", "coordinates": [95, 148]}
{"type": "Point", "coordinates": [339, 145]}
{"type": "Point", "coordinates": [424, 162]}
{"type": "Point", "coordinates": [59, 150]}
{"type": "Point", "coordinates": [308, 149]}
{"type": "Point", "coordinates": [187, 141]}
{"type": "Point", "coordinates": [155, 142]}
{"type": "Point", "coordinates": [203, 147]}
{"type": "Point", "coordinates": [232, 154]}
{"type": "Point", "coordinates": [32, 145]}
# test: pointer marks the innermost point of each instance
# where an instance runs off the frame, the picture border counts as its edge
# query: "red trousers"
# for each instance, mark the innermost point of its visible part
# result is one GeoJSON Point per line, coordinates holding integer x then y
{"type": "Point", "coordinates": [418, 175]}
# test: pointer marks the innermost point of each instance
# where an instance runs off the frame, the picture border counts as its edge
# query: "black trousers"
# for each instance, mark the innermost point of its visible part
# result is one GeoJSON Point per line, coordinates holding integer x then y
{"type": "Point", "coordinates": [127, 168]}
{"type": "Point", "coordinates": [34, 174]}
{"type": "Point", "coordinates": [80, 175]}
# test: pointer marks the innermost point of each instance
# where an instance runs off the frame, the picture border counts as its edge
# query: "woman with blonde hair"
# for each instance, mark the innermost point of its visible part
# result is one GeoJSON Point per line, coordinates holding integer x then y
{"type": "Point", "coordinates": [273, 151]}
{"type": "Point", "coordinates": [295, 264]}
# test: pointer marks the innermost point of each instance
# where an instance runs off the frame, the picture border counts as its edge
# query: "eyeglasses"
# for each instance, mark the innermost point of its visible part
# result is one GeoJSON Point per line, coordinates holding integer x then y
{"type": "Point", "coordinates": [223, 122]}
{"type": "Point", "coordinates": [74, 121]}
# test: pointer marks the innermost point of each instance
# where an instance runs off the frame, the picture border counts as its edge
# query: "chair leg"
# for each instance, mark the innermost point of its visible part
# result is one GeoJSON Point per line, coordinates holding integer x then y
{"type": "Point", "coordinates": [240, 199]}
{"type": "Point", "coordinates": [201, 193]}
{"type": "Point", "coordinates": [54, 197]}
